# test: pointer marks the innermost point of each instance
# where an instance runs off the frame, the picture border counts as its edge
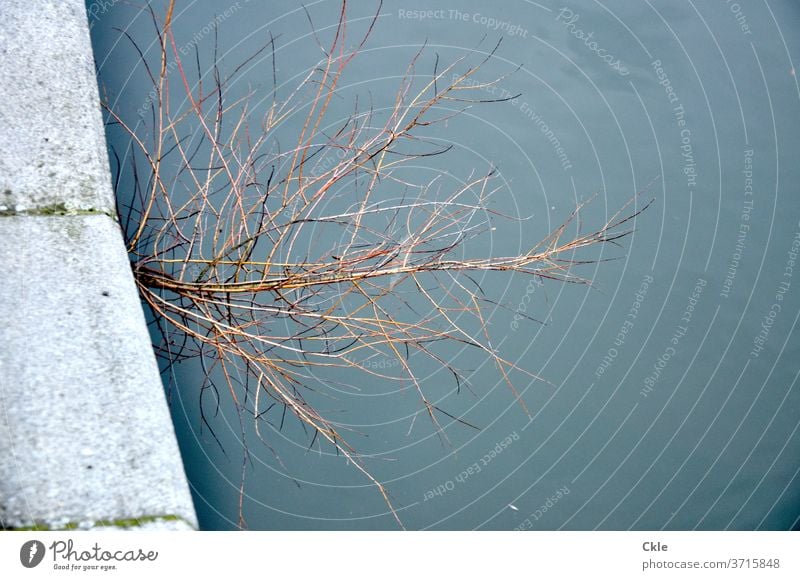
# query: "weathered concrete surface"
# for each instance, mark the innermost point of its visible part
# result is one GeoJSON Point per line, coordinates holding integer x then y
{"type": "Point", "coordinates": [86, 433]}
{"type": "Point", "coordinates": [52, 145]}
{"type": "Point", "coordinates": [86, 440]}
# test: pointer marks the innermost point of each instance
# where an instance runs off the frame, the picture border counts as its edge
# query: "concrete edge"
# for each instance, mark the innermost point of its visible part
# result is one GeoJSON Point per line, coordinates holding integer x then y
{"type": "Point", "coordinates": [86, 438]}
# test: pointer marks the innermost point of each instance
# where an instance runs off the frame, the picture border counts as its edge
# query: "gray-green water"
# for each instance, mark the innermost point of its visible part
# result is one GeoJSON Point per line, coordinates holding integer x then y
{"type": "Point", "coordinates": [671, 399]}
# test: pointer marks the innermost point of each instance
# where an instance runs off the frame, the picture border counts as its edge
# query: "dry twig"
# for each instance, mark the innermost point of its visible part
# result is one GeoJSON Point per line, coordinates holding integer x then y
{"type": "Point", "coordinates": [225, 232]}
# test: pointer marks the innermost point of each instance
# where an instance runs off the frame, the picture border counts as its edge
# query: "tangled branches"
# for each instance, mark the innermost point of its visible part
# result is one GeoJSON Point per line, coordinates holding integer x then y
{"type": "Point", "coordinates": [269, 264]}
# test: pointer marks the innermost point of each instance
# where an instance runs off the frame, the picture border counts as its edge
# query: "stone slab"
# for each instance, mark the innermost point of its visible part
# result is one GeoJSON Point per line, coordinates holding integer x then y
{"type": "Point", "coordinates": [52, 145]}
{"type": "Point", "coordinates": [85, 432]}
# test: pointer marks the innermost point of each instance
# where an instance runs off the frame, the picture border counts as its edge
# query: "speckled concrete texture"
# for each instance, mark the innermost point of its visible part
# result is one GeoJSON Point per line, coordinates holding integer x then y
{"type": "Point", "coordinates": [85, 432]}
{"type": "Point", "coordinates": [52, 145]}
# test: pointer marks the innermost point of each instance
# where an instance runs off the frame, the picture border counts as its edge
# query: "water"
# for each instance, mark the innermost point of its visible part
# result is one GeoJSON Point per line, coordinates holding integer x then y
{"type": "Point", "coordinates": [671, 398]}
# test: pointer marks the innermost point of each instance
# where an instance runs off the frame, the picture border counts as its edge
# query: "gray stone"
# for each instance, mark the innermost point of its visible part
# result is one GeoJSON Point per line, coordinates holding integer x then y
{"type": "Point", "coordinates": [85, 433]}
{"type": "Point", "coordinates": [86, 440]}
{"type": "Point", "coordinates": [52, 146]}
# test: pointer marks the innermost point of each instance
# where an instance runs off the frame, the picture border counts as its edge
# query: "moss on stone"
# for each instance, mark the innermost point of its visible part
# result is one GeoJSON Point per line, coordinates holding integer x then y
{"type": "Point", "coordinates": [54, 209]}
{"type": "Point", "coordinates": [109, 523]}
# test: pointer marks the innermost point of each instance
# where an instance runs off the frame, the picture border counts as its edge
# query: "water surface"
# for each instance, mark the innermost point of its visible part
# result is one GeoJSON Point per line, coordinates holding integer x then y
{"type": "Point", "coordinates": [670, 398]}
